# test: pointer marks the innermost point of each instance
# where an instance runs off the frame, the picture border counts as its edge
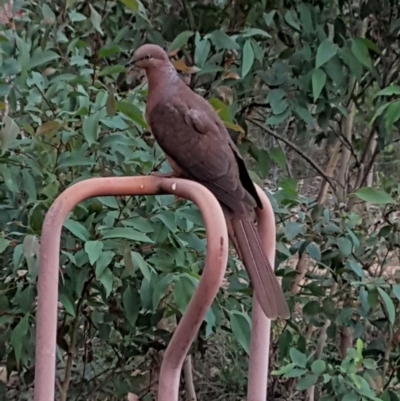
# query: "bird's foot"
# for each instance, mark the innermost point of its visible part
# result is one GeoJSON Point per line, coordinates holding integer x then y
{"type": "Point", "coordinates": [171, 174]}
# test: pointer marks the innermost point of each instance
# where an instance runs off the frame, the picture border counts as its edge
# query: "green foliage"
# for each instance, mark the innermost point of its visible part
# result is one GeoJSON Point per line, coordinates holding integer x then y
{"type": "Point", "coordinates": [129, 265]}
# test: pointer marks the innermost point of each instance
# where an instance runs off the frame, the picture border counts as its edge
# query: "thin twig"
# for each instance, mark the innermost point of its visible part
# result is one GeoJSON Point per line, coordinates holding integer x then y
{"type": "Point", "coordinates": [50, 106]}
{"type": "Point", "coordinates": [296, 149]}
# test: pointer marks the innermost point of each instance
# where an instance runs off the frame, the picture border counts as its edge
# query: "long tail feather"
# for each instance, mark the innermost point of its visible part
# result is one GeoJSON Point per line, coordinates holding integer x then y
{"type": "Point", "coordinates": [266, 285]}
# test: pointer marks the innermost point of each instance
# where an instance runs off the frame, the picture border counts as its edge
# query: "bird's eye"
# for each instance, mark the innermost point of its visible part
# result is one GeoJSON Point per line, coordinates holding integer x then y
{"type": "Point", "coordinates": [148, 57]}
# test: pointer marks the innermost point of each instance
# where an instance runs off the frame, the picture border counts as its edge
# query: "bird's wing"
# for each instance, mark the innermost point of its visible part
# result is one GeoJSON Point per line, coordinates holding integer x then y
{"type": "Point", "coordinates": [198, 145]}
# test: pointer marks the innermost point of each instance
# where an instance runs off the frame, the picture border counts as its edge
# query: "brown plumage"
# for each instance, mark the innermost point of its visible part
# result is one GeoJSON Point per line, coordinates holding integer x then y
{"type": "Point", "coordinates": [198, 147]}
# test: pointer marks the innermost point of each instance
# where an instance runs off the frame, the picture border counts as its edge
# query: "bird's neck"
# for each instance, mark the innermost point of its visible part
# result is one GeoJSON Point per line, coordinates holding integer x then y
{"type": "Point", "coordinates": [158, 77]}
{"type": "Point", "coordinates": [161, 80]}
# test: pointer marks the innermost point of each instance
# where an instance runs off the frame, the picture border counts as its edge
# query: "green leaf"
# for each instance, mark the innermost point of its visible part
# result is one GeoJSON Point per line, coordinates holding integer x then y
{"type": "Point", "coordinates": [29, 185]}
{"type": "Point", "coordinates": [293, 229]}
{"type": "Point", "coordinates": [247, 58]}
{"type": "Point", "coordinates": [395, 288]}
{"type": "Point", "coordinates": [95, 19]}
{"type": "Point", "coordinates": [132, 112]}
{"type": "Point", "coordinates": [202, 50]}
{"type": "Point", "coordinates": [392, 114]}
{"type": "Point", "coordinates": [107, 279]}
{"type": "Point", "coordinates": [18, 335]}
{"type": "Point", "coordinates": [39, 58]}
{"type": "Point", "coordinates": [138, 261]}
{"type": "Point", "coordinates": [379, 111]}
{"type": "Point", "coordinates": [93, 250]}
{"type": "Point", "coordinates": [306, 382]}
{"type": "Point", "coordinates": [160, 289]}
{"type": "Point", "coordinates": [240, 325]}
{"type": "Point", "coordinates": [314, 251]}
{"type": "Point", "coordinates": [67, 303]}
{"type": "Point", "coordinates": [9, 133]}
{"type": "Point", "coordinates": [77, 229]}
{"type": "Point", "coordinates": [103, 262]}
{"type": "Point", "coordinates": [276, 98]}
{"type": "Point", "coordinates": [180, 40]}
{"type": "Point", "coordinates": [312, 308]}
{"type": "Point", "coordinates": [76, 17]}
{"type": "Point", "coordinates": [389, 306]}
{"type": "Point", "coordinates": [278, 156]}
{"type": "Point", "coordinates": [373, 195]}
{"type": "Point", "coordinates": [294, 373]}
{"type": "Point", "coordinates": [318, 82]}
{"type": "Point", "coordinates": [112, 69]}
{"type": "Point", "coordinates": [30, 246]}
{"type": "Point", "coordinates": [345, 246]}
{"type": "Point", "coordinates": [318, 367]}
{"type": "Point", "coordinates": [291, 20]}
{"type": "Point", "coordinates": [284, 369]}
{"type": "Point", "coordinates": [133, 5]}
{"type": "Point", "coordinates": [48, 14]}
{"type": "Point", "coordinates": [255, 178]}
{"type": "Point", "coordinates": [250, 32]}
{"type": "Point", "coordinates": [361, 52]}
{"type": "Point", "coordinates": [369, 363]}
{"type": "Point", "coordinates": [108, 51]}
{"type": "Point", "coordinates": [131, 304]}
{"type": "Point", "coordinates": [389, 91]}
{"type": "Point", "coordinates": [222, 41]}
{"type": "Point", "coordinates": [127, 233]}
{"type": "Point", "coordinates": [90, 128]}
{"type": "Point", "coordinates": [70, 160]}
{"type": "Point", "coordinates": [356, 268]}
{"type": "Point", "coordinates": [185, 286]}
{"type": "Point", "coordinates": [168, 218]}
{"type": "Point", "coordinates": [359, 347]}
{"type": "Point", "coordinates": [298, 357]}
{"type": "Point", "coordinates": [326, 50]}
{"type": "Point", "coordinates": [4, 244]}
{"type": "Point", "coordinates": [304, 114]}
{"type": "Point", "coordinates": [351, 396]}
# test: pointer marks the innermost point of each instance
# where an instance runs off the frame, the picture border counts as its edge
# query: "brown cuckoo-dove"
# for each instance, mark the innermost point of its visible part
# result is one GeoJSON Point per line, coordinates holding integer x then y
{"type": "Point", "coordinates": [198, 147]}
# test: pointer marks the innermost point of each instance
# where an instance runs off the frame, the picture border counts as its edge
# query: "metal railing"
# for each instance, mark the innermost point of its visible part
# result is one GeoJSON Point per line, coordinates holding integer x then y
{"type": "Point", "coordinates": [209, 284]}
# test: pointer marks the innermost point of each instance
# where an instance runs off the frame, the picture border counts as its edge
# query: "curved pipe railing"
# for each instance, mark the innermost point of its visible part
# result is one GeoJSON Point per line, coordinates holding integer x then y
{"type": "Point", "coordinates": [211, 279]}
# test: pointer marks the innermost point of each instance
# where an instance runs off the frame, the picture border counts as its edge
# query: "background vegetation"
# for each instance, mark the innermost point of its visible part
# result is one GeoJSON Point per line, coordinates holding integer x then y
{"type": "Point", "coordinates": [309, 91]}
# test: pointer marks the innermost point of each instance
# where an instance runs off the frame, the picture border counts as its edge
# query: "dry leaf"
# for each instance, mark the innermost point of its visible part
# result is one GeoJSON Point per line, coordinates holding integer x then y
{"type": "Point", "coordinates": [226, 94]}
{"type": "Point", "coordinates": [48, 71]}
{"type": "Point", "coordinates": [111, 104]}
{"type": "Point", "coordinates": [173, 53]}
{"type": "Point", "coordinates": [48, 128]}
{"type": "Point", "coordinates": [231, 75]}
{"type": "Point", "coordinates": [181, 66]}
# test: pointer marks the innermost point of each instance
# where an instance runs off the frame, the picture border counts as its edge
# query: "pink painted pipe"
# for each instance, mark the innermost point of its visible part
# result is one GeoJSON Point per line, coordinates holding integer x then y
{"type": "Point", "coordinates": [260, 324]}
{"type": "Point", "coordinates": [216, 259]}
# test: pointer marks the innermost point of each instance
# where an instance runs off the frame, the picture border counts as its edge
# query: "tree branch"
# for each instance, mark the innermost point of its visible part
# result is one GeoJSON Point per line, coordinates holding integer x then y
{"type": "Point", "coordinates": [297, 150]}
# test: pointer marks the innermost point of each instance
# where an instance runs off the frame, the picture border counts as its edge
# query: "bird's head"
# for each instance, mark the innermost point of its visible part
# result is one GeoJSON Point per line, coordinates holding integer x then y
{"type": "Point", "coordinates": [149, 56]}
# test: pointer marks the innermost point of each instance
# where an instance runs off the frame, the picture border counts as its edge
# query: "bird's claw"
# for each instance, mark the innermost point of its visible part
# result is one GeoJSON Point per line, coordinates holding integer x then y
{"type": "Point", "coordinates": [171, 174]}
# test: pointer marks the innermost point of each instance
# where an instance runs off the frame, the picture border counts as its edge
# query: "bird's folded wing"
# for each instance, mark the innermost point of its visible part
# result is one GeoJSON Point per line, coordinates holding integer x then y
{"type": "Point", "coordinates": [199, 146]}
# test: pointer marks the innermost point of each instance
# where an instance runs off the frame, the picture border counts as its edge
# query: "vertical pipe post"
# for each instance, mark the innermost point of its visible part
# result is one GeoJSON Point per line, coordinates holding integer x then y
{"type": "Point", "coordinates": [261, 325]}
